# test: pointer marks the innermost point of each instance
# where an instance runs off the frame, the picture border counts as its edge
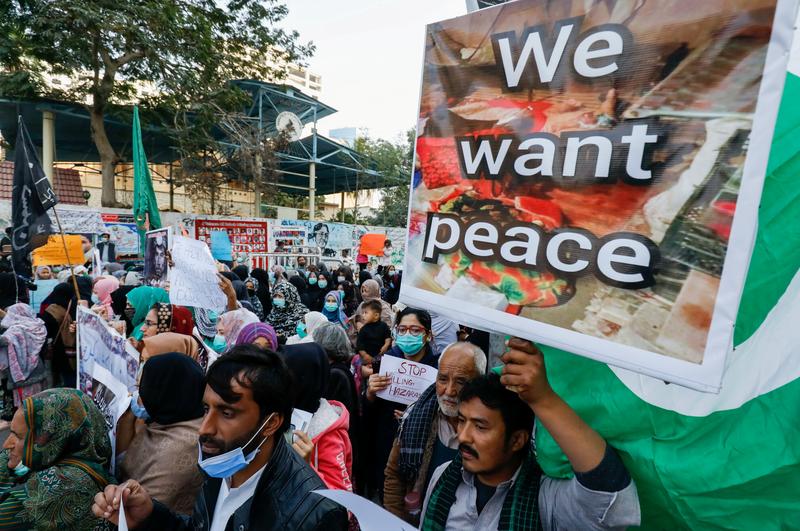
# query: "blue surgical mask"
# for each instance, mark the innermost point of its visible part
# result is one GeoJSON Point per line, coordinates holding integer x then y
{"type": "Point", "coordinates": [227, 464]}
{"type": "Point", "coordinates": [95, 299]}
{"type": "Point", "coordinates": [137, 409]}
{"type": "Point", "coordinates": [312, 280]}
{"type": "Point", "coordinates": [220, 343]}
{"type": "Point", "coordinates": [301, 329]}
{"type": "Point", "coordinates": [410, 344]}
{"type": "Point", "coordinates": [331, 306]}
{"type": "Point", "coordinates": [322, 283]}
{"type": "Point", "coordinates": [279, 303]}
{"type": "Point", "coordinates": [20, 470]}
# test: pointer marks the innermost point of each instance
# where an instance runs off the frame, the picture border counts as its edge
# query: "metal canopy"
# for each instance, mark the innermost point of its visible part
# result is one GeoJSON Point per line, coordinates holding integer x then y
{"type": "Point", "coordinates": [73, 132]}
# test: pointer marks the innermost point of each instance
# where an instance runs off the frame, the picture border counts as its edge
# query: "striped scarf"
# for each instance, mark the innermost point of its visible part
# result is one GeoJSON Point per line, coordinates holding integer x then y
{"type": "Point", "coordinates": [520, 510]}
{"type": "Point", "coordinates": [415, 432]}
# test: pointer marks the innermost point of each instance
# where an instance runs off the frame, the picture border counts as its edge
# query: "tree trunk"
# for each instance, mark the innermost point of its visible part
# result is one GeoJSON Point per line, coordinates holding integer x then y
{"type": "Point", "coordinates": [108, 158]}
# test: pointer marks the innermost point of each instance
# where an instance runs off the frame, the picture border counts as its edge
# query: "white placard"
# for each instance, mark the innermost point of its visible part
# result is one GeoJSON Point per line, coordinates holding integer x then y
{"type": "Point", "coordinates": [409, 379]}
{"type": "Point", "coordinates": [371, 517]}
{"type": "Point", "coordinates": [193, 279]}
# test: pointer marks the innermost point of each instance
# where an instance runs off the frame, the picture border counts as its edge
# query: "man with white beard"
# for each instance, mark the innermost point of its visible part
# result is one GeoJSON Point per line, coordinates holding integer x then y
{"type": "Point", "coordinates": [428, 435]}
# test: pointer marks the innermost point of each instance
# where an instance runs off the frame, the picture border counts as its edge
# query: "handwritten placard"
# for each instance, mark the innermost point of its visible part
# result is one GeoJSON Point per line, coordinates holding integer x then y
{"type": "Point", "coordinates": [52, 253]}
{"type": "Point", "coordinates": [409, 379]}
{"type": "Point", "coordinates": [193, 278]}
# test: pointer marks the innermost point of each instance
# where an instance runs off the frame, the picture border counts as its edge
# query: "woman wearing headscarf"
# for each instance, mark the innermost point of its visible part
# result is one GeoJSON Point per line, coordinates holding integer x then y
{"type": "Point", "coordinates": [171, 342]}
{"type": "Point", "coordinates": [326, 443]}
{"type": "Point", "coordinates": [300, 284]}
{"type": "Point", "coordinates": [230, 324]}
{"type": "Point", "coordinates": [371, 291]}
{"type": "Point", "coordinates": [164, 317]}
{"type": "Point", "coordinates": [134, 279]}
{"type": "Point", "coordinates": [205, 323]}
{"type": "Point", "coordinates": [103, 289]}
{"type": "Point", "coordinates": [333, 309]}
{"type": "Point", "coordinates": [279, 273]}
{"type": "Point", "coordinates": [45, 284]}
{"type": "Point", "coordinates": [259, 334]}
{"type": "Point", "coordinates": [324, 285]}
{"type": "Point", "coordinates": [305, 328]}
{"type": "Point", "coordinates": [140, 301]}
{"type": "Point", "coordinates": [252, 286]}
{"type": "Point", "coordinates": [287, 310]}
{"type": "Point", "coordinates": [349, 301]}
{"type": "Point", "coordinates": [54, 462]}
{"type": "Point", "coordinates": [313, 292]}
{"type": "Point", "coordinates": [119, 301]}
{"type": "Point", "coordinates": [241, 272]}
{"type": "Point", "coordinates": [57, 312]}
{"type": "Point", "coordinates": [262, 291]}
{"type": "Point", "coordinates": [21, 344]}
{"type": "Point", "coordinates": [161, 452]}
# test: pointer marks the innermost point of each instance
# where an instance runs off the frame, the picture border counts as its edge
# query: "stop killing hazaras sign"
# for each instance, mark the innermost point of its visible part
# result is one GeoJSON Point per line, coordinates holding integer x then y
{"type": "Point", "coordinates": [590, 178]}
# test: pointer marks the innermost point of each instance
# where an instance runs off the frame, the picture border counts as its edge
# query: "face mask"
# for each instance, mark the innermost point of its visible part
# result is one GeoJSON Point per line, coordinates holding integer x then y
{"type": "Point", "coordinates": [331, 306]}
{"type": "Point", "coordinates": [137, 409]}
{"type": "Point", "coordinates": [410, 344]}
{"type": "Point", "coordinates": [20, 470]}
{"type": "Point", "coordinates": [219, 344]}
{"type": "Point", "coordinates": [312, 280]}
{"type": "Point", "coordinates": [227, 464]}
{"type": "Point", "coordinates": [301, 329]}
{"type": "Point", "coordinates": [322, 283]}
{"type": "Point", "coordinates": [341, 278]}
{"type": "Point", "coordinates": [95, 299]}
{"type": "Point", "coordinates": [251, 291]}
{"type": "Point", "coordinates": [271, 277]}
{"type": "Point", "coordinates": [279, 303]}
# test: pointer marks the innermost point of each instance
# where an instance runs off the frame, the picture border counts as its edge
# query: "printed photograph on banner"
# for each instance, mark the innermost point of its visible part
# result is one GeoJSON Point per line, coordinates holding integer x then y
{"type": "Point", "coordinates": [156, 265]}
{"type": "Point", "coordinates": [579, 166]}
{"type": "Point", "coordinates": [100, 344]}
{"type": "Point", "coordinates": [123, 232]}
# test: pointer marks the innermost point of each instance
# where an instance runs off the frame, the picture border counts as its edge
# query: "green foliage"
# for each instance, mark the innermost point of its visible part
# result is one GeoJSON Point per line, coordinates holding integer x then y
{"type": "Point", "coordinates": [394, 160]}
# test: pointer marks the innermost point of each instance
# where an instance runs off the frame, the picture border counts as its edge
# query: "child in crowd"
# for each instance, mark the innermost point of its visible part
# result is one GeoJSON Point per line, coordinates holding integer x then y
{"type": "Point", "coordinates": [374, 337]}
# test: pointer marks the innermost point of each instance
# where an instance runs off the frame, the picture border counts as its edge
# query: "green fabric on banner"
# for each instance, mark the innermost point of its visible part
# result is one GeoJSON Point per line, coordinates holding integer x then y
{"type": "Point", "coordinates": [735, 469]}
{"type": "Point", "coordinates": [145, 206]}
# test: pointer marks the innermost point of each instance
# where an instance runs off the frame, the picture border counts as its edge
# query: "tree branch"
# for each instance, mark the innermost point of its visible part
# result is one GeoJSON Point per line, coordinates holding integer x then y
{"type": "Point", "coordinates": [128, 57]}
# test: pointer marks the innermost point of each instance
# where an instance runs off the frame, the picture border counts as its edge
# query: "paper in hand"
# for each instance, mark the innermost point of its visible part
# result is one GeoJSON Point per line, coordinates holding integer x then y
{"type": "Point", "coordinates": [123, 523]}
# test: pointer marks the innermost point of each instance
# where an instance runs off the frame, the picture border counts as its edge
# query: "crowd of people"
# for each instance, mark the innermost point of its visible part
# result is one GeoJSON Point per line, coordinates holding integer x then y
{"type": "Point", "coordinates": [240, 415]}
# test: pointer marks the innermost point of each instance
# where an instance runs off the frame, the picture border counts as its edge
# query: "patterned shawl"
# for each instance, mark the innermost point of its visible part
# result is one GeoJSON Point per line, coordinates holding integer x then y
{"type": "Point", "coordinates": [415, 431]}
{"type": "Point", "coordinates": [26, 335]}
{"type": "Point", "coordinates": [254, 298]}
{"type": "Point", "coordinates": [284, 320]}
{"type": "Point", "coordinates": [520, 510]}
{"type": "Point", "coordinates": [68, 450]}
{"type": "Point", "coordinates": [232, 323]}
{"type": "Point", "coordinates": [253, 331]}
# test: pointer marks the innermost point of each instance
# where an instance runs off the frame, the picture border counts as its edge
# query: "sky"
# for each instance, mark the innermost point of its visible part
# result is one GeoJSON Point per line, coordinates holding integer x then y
{"type": "Point", "coordinates": [369, 54]}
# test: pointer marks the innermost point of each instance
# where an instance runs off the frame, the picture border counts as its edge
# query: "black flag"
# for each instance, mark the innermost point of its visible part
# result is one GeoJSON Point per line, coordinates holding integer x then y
{"type": "Point", "coordinates": [31, 196]}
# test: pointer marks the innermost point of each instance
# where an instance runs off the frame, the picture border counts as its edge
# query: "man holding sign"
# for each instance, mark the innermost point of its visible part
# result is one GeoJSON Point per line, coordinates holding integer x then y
{"type": "Point", "coordinates": [494, 481]}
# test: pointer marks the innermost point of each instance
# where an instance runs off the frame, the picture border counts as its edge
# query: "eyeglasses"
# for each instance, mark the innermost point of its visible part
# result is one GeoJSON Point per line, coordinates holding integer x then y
{"type": "Point", "coordinates": [413, 330]}
{"type": "Point", "coordinates": [148, 322]}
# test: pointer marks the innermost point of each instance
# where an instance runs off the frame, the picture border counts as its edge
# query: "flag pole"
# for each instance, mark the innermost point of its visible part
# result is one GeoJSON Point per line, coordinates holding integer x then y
{"type": "Point", "coordinates": [66, 254]}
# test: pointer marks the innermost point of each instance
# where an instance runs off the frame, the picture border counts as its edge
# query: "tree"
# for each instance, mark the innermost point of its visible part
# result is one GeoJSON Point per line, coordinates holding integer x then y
{"type": "Point", "coordinates": [394, 161]}
{"type": "Point", "coordinates": [184, 49]}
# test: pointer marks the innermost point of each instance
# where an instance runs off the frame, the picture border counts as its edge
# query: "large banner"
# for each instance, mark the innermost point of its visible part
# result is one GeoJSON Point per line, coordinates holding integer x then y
{"type": "Point", "coordinates": [100, 344]}
{"type": "Point", "coordinates": [246, 237]}
{"type": "Point", "coordinates": [591, 174]}
{"type": "Point", "coordinates": [124, 234]}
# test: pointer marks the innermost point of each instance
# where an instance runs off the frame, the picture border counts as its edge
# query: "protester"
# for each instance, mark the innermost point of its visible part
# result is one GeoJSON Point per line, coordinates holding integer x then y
{"type": "Point", "coordinates": [301, 286]}
{"type": "Point", "coordinates": [428, 434]}
{"type": "Point", "coordinates": [140, 301]}
{"type": "Point", "coordinates": [412, 342]}
{"type": "Point", "coordinates": [326, 445]}
{"type": "Point", "coordinates": [494, 481]}
{"type": "Point", "coordinates": [23, 337]}
{"type": "Point", "coordinates": [324, 285]}
{"type": "Point", "coordinates": [252, 286]}
{"type": "Point", "coordinates": [107, 249]}
{"type": "Point", "coordinates": [261, 335]}
{"type": "Point", "coordinates": [392, 282]}
{"type": "Point", "coordinates": [302, 263]}
{"type": "Point", "coordinates": [45, 284]}
{"type": "Point", "coordinates": [242, 272]}
{"type": "Point", "coordinates": [375, 337]}
{"type": "Point", "coordinates": [161, 452]}
{"type": "Point", "coordinates": [169, 342]}
{"type": "Point", "coordinates": [287, 310]}
{"type": "Point", "coordinates": [333, 309]}
{"type": "Point", "coordinates": [133, 279]}
{"type": "Point", "coordinates": [53, 462]}
{"type": "Point", "coordinates": [119, 301]}
{"type": "Point", "coordinates": [102, 291]}
{"type": "Point", "coordinates": [278, 274]}
{"type": "Point", "coordinates": [248, 403]}
{"type": "Point", "coordinates": [371, 291]}
{"type": "Point", "coordinates": [305, 328]}
{"type": "Point", "coordinates": [349, 300]}
{"type": "Point", "coordinates": [312, 292]}
{"type": "Point", "coordinates": [165, 317]}
{"type": "Point", "coordinates": [58, 314]}
{"type": "Point", "coordinates": [262, 290]}
{"type": "Point", "coordinates": [229, 325]}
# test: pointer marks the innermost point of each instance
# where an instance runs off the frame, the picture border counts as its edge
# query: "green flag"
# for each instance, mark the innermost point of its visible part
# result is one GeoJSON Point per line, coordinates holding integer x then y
{"type": "Point", "coordinates": [704, 461]}
{"type": "Point", "coordinates": [145, 206]}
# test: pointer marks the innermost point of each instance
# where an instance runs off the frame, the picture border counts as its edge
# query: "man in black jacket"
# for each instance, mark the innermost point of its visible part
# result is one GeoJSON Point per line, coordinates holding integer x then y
{"type": "Point", "coordinates": [255, 480]}
{"type": "Point", "coordinates": [107, 249]}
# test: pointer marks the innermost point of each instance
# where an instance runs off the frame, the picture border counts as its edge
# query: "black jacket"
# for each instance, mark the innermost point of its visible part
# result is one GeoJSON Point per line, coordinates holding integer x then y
{"type": "Point", "coordinates": [282, 501]}
{"type": "Point", "coordinates": [112, 251]}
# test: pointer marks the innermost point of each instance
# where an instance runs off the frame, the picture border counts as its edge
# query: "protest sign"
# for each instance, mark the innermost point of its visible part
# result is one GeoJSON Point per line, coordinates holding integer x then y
{"type": "Point", "coordinates": [193, 278]}
{"type": "Point", "coordinates": [245, 236]}
{"type": "Point", "coordinates": [156, 265]}
{"type": "Point", "coordinates": [221, 248]}
{"type": "Point", "coordinates": [52, 253]}
{"type": "Point", "coordinates": [100, 344]}
{"type": "Point", "coordinates": [124, 234]}
{"type": "Point", "coordinates": [590, 179]}
{"type": "Point", "coordinates": [409, 379]}
{"type": "Point", "coordinates": [112, 398]}
{"type": "Point", "coordinates": [371, 517]}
